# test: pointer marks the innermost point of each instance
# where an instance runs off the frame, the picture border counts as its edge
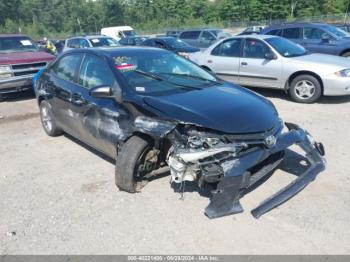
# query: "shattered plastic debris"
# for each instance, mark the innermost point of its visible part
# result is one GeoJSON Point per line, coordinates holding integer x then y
{"type": "Point", "coordinates": [11, 233]}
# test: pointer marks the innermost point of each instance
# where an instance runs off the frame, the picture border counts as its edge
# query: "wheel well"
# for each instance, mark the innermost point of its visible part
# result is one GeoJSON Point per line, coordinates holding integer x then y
{"type": "Point", "coordinates": [291, 78]}
{"type": "Point", "coordinates": [344, 51]}
{"type": "Point", "coordinates": [40, 99]}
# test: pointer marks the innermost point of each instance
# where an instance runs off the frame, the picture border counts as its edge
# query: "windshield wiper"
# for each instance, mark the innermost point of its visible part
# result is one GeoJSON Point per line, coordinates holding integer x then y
{"type": "Point", "coordinates": [158, 78]}
{"type": "Point", "coordinates": [195, 77]}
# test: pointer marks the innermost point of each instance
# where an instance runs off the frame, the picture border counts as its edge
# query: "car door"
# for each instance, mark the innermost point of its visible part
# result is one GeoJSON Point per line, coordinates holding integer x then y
{"type": "Point", "coordinates": [224, 60]}
{"type": "Point", "coordinates": [61, 87]}
{"type": "Point", "coordinates": [98, 119]}
{"type": "Point", "coordinates": [318, 40]}
{"type": "Point", "coordinates": [257, 70]}
{"type": "Point", "coordinates": [206, 39]}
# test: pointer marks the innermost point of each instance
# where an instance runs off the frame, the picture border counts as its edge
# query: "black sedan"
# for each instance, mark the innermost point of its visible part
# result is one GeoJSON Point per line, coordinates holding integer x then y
{"type": "Point", "coordinates": [149, 108]}
{"type": "Point", "coordinates": [172, 44]}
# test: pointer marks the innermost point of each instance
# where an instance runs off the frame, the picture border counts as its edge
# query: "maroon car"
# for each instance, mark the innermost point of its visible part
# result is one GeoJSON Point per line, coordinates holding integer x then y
{"type": "Point", "coordinates": [20, 59]}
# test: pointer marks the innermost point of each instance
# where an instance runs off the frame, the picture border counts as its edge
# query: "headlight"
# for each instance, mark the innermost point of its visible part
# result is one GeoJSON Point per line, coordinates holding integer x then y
{"type": "Point", "coordinates": [153, 125]}
{"type": "Point", "coordinates": [5, 71]}
{"type": "Point", "coordinates": [343, 73]}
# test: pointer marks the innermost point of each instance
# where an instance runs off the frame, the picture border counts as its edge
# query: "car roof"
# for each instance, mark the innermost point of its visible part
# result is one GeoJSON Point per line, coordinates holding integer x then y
{"type": "Point", "coordinates": [301, 24]}
{"type": "Point", "coordinates": [13, 35]}
{"type": "Point", "coordinates": [88, 36]}
{"type": "Point", "coordinates": [199, 29]}
{"type": "Point", "coordinates": [262, 37]}
{"type": "Point", "coordinates": [164, 38]}
{"type": "Point", "coordinates": [118, 51]}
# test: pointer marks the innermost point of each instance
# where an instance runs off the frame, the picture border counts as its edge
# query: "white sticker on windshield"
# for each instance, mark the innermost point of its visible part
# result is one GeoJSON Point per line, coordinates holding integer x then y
{"type": "Point", "coordinates": [26, 42]}
{"type": "Point", "coordinates": [140, 89]}
{"type": "Point", "coordinates": [95, 40]}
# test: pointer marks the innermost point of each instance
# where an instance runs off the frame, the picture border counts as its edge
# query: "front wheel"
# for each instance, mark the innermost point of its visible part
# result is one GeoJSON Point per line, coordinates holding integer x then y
{"type": "Point", "coordinates": [305, 89]}
{"type": "Point", "coordinates": [135, 160]}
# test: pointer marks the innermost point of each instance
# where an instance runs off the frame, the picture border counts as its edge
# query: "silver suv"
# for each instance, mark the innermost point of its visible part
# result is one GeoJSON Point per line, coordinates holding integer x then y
{"type": "Point", "coordinates": [202, 38]}
{"type": "Point", "coordinates": [89, 42]}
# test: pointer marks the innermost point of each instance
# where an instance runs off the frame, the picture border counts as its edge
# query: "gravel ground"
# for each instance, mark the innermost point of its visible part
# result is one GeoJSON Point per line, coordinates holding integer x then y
{"type": "Point", "coordinates": [58, 197]}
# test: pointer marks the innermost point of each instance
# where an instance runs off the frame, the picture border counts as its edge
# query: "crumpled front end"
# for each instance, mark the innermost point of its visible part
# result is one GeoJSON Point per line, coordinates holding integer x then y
{"type": "Point", "coordinates": [234, 164]}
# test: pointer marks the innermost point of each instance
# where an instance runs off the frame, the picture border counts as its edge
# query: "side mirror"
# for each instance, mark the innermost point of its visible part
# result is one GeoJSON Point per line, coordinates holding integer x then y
{"type": "Point", "coordinates": [101, 92]}
{"type": "Point", "coordinates": [270, 56]}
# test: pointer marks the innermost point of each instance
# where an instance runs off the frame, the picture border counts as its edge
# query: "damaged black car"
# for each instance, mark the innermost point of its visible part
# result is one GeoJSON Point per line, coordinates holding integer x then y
{"type": "Point", "coordinates": [149, 109]}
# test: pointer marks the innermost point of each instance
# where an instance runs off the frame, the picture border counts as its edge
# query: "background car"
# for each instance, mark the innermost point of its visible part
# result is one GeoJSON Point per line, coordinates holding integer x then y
{"type": "Point", "coordinates": [172, 44]}
{"type": "Point", "coordinates": [173, 33]}
{"type": "Point", "coordinates": [275, 62]}
{"type": "Point", "coordinates": [252, 30]}
{"type": "Point", "coordinates": [315, 37]}
{"type": "Point", "coordinates": [202, 38]}
{"type": "Point", "coordinates": [132, 40]}
{"type": "Point", "coordinates": [89, 42]}
{"type": "Point", "coordinates": [118, 32]}
{"type": "Point", "coordinates": [20, 60]}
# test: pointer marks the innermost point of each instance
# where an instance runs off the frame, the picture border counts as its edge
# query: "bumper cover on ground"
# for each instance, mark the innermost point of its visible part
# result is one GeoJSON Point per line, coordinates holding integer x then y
{"type": "Point", "coordinates": [225, 200]}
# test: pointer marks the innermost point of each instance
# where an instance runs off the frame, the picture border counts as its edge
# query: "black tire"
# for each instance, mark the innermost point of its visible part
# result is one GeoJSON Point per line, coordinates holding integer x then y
{"type": "Point", "coordinates": [48, 121]}
{"type": "Point", "coordinates": [346, 55]}
{"type": "Point", "coordinates": [127, 175]}
{"type": "Point", "coordinates": [305, 89]}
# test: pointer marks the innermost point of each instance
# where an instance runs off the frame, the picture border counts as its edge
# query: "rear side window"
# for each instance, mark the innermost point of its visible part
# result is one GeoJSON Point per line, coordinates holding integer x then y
{"type": "Point", "coordinates": [73, 43]}
{"type": "Point", "coordinates": [277, 32]}
{"type": "Point", "coordinates": [66, 67]}
{"type": "Point", "coordinates": [207, 36]}
{"type": "Point", "coordinates": [292, 33]}
{"type": "Point", "coordinates": [229, 48]}
{"type": "Point", "coordinates": [94, 72]}
{"type": "Point", "coordinates": [190, 35]}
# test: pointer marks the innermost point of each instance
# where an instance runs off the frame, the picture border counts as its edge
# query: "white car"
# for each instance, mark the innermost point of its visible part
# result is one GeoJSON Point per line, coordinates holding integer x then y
{"type": "Point", "coordinates": [274, 62]}
{"type": "Point", "coordinates": [118, 32]}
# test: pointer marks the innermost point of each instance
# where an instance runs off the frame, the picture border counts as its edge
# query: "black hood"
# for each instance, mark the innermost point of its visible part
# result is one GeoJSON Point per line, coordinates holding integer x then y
{"type": "Point", "coordinates": [227, 108]}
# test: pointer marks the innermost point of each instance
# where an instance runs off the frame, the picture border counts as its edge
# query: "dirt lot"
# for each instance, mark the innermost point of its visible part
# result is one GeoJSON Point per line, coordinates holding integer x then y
{"type": "Point", "coordinates": [58, 197]}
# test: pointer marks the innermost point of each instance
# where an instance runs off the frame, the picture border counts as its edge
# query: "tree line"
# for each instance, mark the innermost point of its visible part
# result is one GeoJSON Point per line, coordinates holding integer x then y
{"type": "Point", "coordinates": [64, 17]}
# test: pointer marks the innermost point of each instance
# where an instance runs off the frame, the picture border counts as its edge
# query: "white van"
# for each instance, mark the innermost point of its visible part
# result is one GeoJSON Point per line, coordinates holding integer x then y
{"type": "Point", "coordinates": [118, 32]}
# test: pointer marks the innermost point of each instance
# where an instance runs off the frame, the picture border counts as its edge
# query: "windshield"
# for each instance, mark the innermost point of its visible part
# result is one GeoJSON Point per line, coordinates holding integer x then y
{"type": "Point", "coordinates": [15, 44]}
{"type": "Point", "coordinates": [176, 43]}
{"type": "Point", "coordinates": [285, 47]}
{"type": "Point", "coordinates": [336, 31]}
{"type": "Point", "coordinates": [129, 33]}
{"type": "Point", "coordinates": [157, 73]}
{"type": "Point", "coordinates": [104, 42]}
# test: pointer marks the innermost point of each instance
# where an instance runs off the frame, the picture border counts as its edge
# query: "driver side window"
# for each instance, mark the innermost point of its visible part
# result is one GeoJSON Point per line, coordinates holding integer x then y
{"type": "Point", "coordinates": [94, 72]}
{"type": "Point", "coordinates": [314, 33]}
{"type": "Point", "coordinates": [255, 49]}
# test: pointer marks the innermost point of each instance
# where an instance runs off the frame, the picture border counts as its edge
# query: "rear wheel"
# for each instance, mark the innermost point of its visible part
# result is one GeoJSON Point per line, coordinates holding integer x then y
{"type": "Point", "coordinates": [135, 160]}
{"type": "Point", "coordinates": [48, 121]}
{"type": "Point", "coordinates": [305, 89]}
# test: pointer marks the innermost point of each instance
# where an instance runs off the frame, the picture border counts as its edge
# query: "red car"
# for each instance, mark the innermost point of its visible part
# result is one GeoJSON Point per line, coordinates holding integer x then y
{"type": "Point", "coordinates": [20, 60]}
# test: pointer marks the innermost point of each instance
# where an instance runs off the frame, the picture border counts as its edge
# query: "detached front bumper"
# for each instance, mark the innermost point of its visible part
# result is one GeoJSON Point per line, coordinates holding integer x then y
{"type": "Point", "coordinates": [225, 199]}
{"type": "Point", "coordinates": [15, 83]}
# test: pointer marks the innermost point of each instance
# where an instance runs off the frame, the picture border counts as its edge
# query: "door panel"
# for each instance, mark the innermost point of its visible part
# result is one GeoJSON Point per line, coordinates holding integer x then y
{"type": "Point", "coordinates": [257, 71]}
{"type": "Point", "coordinates": [62, 85]}
{"type": "Point", "coordinates": [225, 59]}
{"type": "Point", "coordinates": [99, 118]}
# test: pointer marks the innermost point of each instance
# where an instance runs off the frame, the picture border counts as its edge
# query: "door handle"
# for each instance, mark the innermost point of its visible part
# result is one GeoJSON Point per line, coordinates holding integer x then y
{"type": "Point", "coordinates": [77, 99]}
{"type": "Point", "coordinates": [244, 63]}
